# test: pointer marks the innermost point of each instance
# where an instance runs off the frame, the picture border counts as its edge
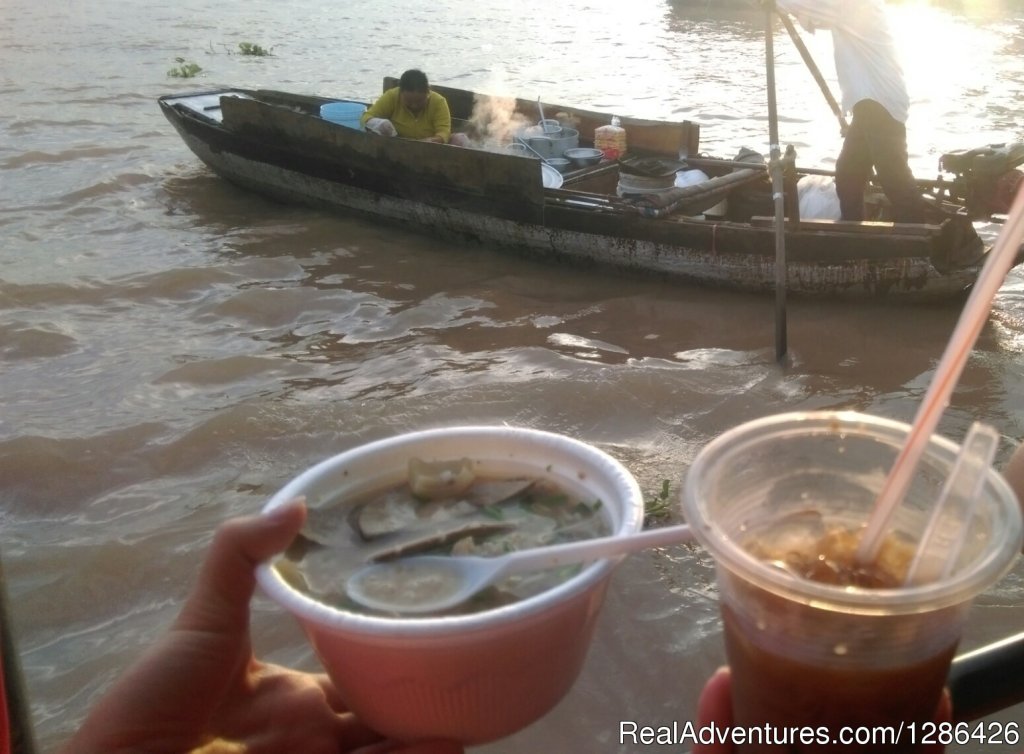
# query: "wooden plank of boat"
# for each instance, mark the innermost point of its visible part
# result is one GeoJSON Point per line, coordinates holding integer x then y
{"type": "Point", "coordinates": [718, 241]}
{"type": "Point", "coordinates": [506, 185]}
{"type": "Point", "coordinates": [854, 226]}
{"type": "Point", "coordinates": [659, 137]}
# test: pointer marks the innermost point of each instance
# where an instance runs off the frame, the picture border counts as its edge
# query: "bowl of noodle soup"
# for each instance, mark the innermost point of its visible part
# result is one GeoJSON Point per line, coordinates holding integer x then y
{"type": "Point", "coordinates": [479, 674]}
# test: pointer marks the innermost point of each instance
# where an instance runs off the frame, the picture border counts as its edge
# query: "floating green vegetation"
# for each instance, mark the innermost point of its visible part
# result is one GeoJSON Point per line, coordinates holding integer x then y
{"type": "Point", "coordinates": [250, 48]}
{"type": "Point", "coordinates": [185, 69]}
{"type": "Point", "coordinates": [660, 506]}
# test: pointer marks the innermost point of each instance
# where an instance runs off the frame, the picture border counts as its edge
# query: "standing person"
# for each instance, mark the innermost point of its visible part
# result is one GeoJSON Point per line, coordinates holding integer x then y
{"type": "Point", "coordinates": [411, 110]}
{"type": "Point", "coordinates": [874, 92]}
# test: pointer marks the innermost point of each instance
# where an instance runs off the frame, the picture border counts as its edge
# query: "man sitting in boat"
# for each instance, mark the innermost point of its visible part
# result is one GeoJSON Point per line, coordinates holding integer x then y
{"type": "Point", "coordinates": [411, 110]}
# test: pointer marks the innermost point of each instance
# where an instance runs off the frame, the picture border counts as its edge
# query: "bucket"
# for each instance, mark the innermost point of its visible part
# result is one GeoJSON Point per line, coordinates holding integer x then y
{"type": "Point", "coordinates": [549, 146]}
{"type": "Point", "coordinates": [343, 113]}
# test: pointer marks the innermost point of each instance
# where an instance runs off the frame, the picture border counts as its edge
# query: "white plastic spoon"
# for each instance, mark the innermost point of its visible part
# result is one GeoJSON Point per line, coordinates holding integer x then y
{"type": "Point", "coordinates": [939, 549]}
{"type": "Point", "coordinates": [430, 583]}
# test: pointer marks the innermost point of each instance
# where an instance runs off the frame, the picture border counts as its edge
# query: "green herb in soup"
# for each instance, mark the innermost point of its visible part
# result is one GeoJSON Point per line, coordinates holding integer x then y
{"type": "Point", "coordinates": [445, 508]}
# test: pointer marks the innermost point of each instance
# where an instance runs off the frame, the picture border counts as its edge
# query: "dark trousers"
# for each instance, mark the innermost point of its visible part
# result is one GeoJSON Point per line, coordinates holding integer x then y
{"type": "Point", "coordinates": [877, 140]}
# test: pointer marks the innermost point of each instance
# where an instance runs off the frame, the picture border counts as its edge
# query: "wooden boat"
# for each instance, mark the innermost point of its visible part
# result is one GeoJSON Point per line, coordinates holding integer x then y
{"type": "Point", "coordinates": [277, 144]}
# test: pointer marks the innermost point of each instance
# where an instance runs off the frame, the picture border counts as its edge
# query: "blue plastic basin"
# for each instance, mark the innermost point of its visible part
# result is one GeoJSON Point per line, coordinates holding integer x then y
{"type": "Point", "coordinates": [343, 113]}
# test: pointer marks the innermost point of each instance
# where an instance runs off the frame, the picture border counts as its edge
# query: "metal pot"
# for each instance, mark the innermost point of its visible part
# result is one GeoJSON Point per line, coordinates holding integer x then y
{"type": "Point", "coordinates": [550, 145]}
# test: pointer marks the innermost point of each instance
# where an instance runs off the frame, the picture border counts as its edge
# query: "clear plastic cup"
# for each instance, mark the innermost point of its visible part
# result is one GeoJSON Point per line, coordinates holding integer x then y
{"type": "Point", "coordinates": [821, 660]}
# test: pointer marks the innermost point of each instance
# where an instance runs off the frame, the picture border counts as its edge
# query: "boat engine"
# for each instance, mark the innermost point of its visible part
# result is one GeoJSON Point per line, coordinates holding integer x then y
{"type": "Point", "coordinates": [985, 179]}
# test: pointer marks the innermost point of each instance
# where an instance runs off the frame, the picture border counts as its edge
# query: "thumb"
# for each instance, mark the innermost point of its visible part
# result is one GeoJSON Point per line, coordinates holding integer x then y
{"type": "Point", "coordinates": [715, 708]}
{"type": "Point", "coordinates": [943, 716]}
{"type": "Point", "coordinates": [219, 602]}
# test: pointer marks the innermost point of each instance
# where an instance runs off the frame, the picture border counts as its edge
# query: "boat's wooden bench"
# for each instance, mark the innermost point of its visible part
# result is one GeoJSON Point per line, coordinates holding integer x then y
{"type": "Point", "coordinates": [853, 226]}
{"type": "Point", "coordinates": [695, 198]}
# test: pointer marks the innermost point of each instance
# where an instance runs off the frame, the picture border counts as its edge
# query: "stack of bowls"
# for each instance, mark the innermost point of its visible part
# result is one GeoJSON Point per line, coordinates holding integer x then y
{"type": "Point", "coordinates": [561, 164]}
{"type": "Point", "coordinates": [584, 156]}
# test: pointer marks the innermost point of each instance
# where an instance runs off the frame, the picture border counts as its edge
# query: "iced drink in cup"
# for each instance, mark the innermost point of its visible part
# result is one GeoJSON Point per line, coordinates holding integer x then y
{"type": "Point", "coordinates": [821, 648]}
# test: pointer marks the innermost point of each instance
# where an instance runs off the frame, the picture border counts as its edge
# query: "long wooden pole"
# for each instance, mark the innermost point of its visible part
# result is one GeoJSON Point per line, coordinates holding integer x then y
{"type": "Point", "coordinates": [815, 72]}
{"type": "Point", "coordinates": [775, 168]}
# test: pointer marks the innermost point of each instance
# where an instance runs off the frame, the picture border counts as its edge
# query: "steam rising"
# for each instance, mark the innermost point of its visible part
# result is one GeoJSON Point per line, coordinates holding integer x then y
{"type": "Point", "coordinates": [494, 121]}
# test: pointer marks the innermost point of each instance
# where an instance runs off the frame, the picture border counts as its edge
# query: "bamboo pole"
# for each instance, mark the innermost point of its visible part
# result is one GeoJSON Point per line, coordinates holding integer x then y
{"type": "Point", "coordinates": [815, 72]}
{"type": "Point", "coordinates": [775, 169]}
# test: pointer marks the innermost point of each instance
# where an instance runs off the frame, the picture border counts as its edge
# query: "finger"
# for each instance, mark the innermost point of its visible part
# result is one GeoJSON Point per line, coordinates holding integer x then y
{"type": "Point", "coordinates": [944, 714]}
{"type": "Point", "coordinates": [351, 734]}
{"type": "Point", "coordinates": [715, 706]}
{"type": "Point", "coordinates": [347, 736]}
{"type": "Point", "coordinates": [219, 602]}
{"type": "Point", "coordinates": [331, 695]}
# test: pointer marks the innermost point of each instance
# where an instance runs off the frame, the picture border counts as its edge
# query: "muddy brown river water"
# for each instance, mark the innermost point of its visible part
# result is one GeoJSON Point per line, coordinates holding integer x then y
{"type": "Point", "coordinates": [172, 349]}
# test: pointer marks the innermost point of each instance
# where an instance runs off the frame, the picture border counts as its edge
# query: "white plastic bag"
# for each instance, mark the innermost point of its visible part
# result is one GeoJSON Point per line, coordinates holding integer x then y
{"type": "Point", "coordinates": [818, 199]}
{"type": "Point", "coordinates": [690, 177]}
{"type": "Point", "coordinates": [381, 126]}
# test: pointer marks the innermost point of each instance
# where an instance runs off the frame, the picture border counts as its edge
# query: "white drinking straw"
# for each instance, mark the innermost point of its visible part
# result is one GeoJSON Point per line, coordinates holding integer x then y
{"type": "Point", "coordinates": [1000, 259]}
